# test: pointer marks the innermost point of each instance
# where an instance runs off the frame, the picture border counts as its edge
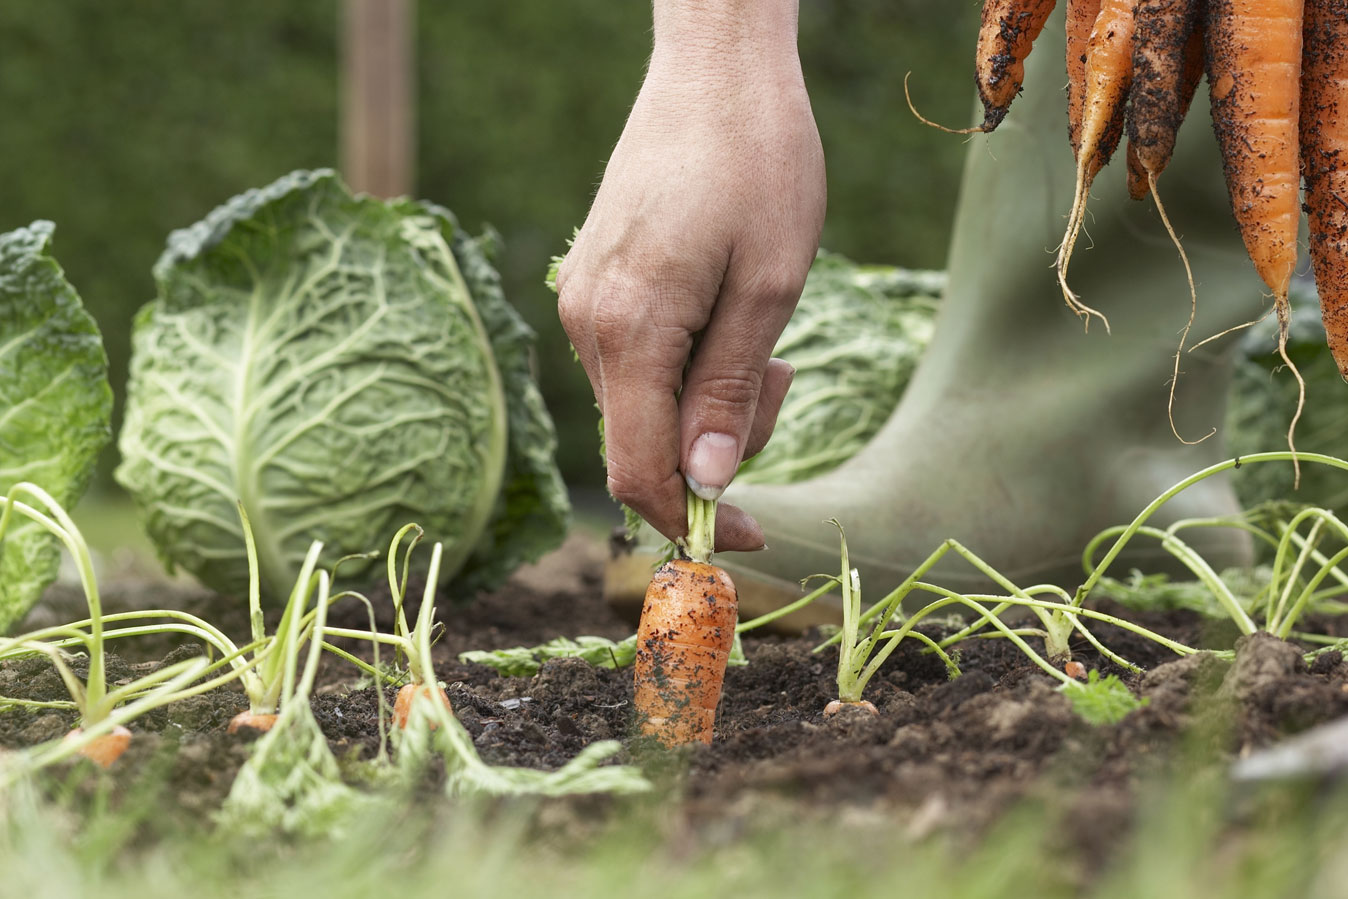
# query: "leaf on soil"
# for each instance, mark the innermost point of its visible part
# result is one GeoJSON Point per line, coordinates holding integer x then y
{"type": "Point", "coordinates": [524, 661]}
{"type": "Point", "coordinates": [1102, 700]}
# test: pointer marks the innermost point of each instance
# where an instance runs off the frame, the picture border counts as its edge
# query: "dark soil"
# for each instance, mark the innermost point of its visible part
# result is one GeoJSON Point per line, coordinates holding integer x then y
{"type": "Point", "coordinates": [939, 754]}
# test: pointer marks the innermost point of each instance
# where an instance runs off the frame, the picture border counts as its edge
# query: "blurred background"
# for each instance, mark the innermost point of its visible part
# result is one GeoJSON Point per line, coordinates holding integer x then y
{"type": "Point", "coordinates": [126, 120]}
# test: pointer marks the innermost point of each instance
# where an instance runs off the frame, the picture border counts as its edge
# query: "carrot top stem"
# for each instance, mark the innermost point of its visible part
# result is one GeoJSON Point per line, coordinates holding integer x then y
{"type": "Point", "coordinates": [701, 540]}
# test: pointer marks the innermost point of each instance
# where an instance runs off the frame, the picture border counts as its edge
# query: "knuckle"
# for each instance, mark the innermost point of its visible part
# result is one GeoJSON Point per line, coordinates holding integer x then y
{"type": "Point", "coordinates": [572, 313]}
{"type": "Point", "coordinates": [613, 317]}
{"type": "Point", "coordinates": [630, 489]}
{"type": "Point", "coordinates": [730, 392]}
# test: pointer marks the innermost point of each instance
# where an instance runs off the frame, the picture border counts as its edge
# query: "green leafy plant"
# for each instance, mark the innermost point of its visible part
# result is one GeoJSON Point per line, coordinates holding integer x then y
{"type": "Point", "coordinates": [426, 726]}
{"type": "Point", "coordinates": [1104, 700]}
{"type": "Point", "coordinates": [524, 661]}
{"type": "Point", "coordinates": [54, 405]}
{"type": "Point", "coordinates": [104, 711]}
{"type": "Point", "coordinates": [340, 365]}
{"type": "Point", "coordinates": [291, 782]}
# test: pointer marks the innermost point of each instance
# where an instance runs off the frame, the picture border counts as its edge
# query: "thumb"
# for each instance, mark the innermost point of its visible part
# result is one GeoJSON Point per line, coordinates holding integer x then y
{"type": "Point", "coordinates": [721, 391]}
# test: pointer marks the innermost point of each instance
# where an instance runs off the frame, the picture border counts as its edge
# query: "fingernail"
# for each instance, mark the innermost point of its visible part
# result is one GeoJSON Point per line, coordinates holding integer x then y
{"type": "Point", "coordinates": [711, 464]}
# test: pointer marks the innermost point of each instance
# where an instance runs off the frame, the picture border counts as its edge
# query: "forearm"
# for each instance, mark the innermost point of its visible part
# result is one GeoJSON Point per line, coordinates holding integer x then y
{"type": "Point", "coordinates": [725, 29]}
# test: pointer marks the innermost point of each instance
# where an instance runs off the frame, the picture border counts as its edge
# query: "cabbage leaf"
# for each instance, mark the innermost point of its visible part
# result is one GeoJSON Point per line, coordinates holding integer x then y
{"type": "Point", "coordinates": [55, 404]}
{"type": "Point", "coordinates": [855, 339]}
{"type": "Point", "coordinates": [342, 366]}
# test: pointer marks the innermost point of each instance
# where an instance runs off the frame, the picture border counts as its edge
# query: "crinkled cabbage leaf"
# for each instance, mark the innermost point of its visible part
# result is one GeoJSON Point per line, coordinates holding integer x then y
{"type": "Point", "coordinates": [342, 366]}
{"type": "Point", "coordinates": [855, 340]}
{"type": "Point", "coordinates": [55, 405]}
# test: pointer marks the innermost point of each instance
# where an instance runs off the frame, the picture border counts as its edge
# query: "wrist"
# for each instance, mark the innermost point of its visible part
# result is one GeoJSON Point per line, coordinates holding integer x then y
{"type": "Point", "coordinates": [725, 29]}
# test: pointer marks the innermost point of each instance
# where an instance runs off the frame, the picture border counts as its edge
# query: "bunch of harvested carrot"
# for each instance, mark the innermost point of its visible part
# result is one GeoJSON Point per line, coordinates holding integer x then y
{"type": "Point", "coordinates": [684, 638]}
{"type": "Point", "coordinates": [1279, 110]}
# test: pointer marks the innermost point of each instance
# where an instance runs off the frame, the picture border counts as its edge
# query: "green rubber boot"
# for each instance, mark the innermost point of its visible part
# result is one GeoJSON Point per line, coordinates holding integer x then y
{"type": "Point", "coordinates": [1020, 435]}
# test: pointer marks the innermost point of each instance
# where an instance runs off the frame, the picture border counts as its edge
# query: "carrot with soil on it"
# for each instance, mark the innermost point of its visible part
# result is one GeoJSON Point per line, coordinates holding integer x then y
{"type": "Point", "coordinates": [1254, 74]}
{"type": "Point", "coordinates": [1167, 66]}
{"type": "Point", "coordinates": [1081, 16]}
{"type": "Point", "coordinates": [1005, 38]}
{"type": "Point", "coordinates": [1324, 162]}
{"type": "Point", "coordinates": [684, 638]}
{"type": "Point", "coordinates": [1106, 77]}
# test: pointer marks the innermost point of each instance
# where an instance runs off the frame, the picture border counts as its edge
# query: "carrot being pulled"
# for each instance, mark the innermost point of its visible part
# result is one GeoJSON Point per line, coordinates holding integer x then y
{"type": "Point", "coordinates": [1106, 76]}
{"type": "Point", "coordinates": [684, 639]}
{"type": "Point", "coordinates": [1324, 162]}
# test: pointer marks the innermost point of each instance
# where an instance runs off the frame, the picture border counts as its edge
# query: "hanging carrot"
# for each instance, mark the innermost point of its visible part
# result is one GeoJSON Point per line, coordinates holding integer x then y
{"type": "Point", "coordinates": [1005, 39]}
{"type": "Point", "coordinates": [1254, 70]}
{"type": "Point", "coordinates": [1324, 162]}
{"type": "Point", "coordinates": [1167, 66]}
{"type": "Point", "coordinates": [1104, 92]}
{"type": "Point", "coordinates": [1081, 16]}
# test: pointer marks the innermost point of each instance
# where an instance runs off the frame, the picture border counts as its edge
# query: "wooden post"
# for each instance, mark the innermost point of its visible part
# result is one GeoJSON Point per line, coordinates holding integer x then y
{"type": "Point", "coordinates": [378, 96]}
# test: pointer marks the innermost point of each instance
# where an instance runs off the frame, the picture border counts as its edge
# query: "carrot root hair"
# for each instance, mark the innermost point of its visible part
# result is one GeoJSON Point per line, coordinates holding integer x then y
{"type": "Point", "coordinates": [976, 129]}
{"type": "Point", "coordinates": [1193, 312]}
{"type": "Point", "coordinates": [1284, 309]}
{"type": "Point", "coordinates": [1074, 223]}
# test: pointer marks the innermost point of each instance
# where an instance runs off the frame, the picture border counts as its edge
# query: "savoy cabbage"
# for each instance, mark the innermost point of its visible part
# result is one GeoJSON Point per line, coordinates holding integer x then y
{"type": "Point", "coordinates": [340, 365]}
{"type": "Point", "coordinates": [55, 405]}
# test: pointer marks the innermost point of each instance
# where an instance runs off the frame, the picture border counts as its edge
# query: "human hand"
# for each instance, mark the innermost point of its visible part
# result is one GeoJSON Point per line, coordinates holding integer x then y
{"type": "Point", "coordinates": [705, 224]}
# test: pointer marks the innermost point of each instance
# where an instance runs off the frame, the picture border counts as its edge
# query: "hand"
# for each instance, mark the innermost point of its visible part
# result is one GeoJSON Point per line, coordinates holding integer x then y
{"type": "Point", "coordinates": [706, 223]}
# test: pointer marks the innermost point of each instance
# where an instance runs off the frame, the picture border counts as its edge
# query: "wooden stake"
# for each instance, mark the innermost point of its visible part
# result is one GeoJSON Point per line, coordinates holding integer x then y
{"type": "Point", "coordinates": [378, 97]}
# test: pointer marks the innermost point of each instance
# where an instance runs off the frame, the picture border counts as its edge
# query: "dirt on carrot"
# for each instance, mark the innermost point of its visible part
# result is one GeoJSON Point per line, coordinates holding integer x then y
{"type": "Point", "coordinates": [1324, 162]}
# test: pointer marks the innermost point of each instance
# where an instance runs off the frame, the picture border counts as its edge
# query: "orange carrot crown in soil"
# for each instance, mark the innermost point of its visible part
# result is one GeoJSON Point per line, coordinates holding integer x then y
{"type": "Point", "coordinates": [684, 639]}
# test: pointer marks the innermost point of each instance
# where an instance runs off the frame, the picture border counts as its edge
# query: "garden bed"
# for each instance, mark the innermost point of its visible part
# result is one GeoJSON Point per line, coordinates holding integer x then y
{"type": "Point", "coordinates": [942, 755]}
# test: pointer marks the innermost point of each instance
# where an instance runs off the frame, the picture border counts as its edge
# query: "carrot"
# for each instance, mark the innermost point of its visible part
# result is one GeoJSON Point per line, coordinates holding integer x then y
{"type": "Point", "coordinates": [683, 643]}
{"type": "Point", "coordinates": [1075, 670]}
{"type": "Point", "coordinates": [1324, 162]}
{"type": "Point", "coordinates": [1081, 16]}
{"type": "Point", "coordinates": [258, 721]}
{"type": "Point", "coordinates": [1104, 92]}
{"type": "Point", "coordinates": [407, 694]}
{"type": "Point", "coordinates": [1005, 39]}
{"type": "Point", "coordinates": [835, 706]}
{"type": "Point", "coordinates": [105, 749]}
{"type": "Point", "coordinates": [1254, 70]}
{"type": "Point", "coordinates": [1167, 66]}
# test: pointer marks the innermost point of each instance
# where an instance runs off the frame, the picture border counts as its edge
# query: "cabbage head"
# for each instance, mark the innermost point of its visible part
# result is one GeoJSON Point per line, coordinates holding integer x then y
{"type": "Point", "coordinates": [855, 340]}
{"type": "Point", "coordinates": [341, 366]}
{"type": "Point", "coordinates": [55, 406]}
